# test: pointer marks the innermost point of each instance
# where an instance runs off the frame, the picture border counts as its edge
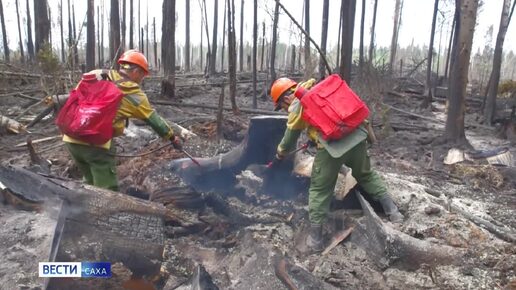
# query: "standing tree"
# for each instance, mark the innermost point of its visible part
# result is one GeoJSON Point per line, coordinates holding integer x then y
{"type": "Point", "coordinates": [213, 55]}
{"type": "Point", "coordinates": [427, 101]}
{"type": "Point", "coordinates": [187, 35]}
{"type": "Point", "coordinates": [90, 36]}
{"type": "Point", "coordinates": [492, 92]}
{"type": "Point", "coordinates": [70, 36]}
{"type": "Point", "coordinates": [255, 43]}
{"type": "Point", "coordinates": [371, 43]}
{"type": "Point", "coordinates": [30, 44]}
{"type": "Point", "coordinates": [273, 42]}
{"type": "Point", "coordinates": [232, 55]}
{"type": "Point", "coordinates": [98, 35]}
{"type": "Point", "coordinates": [131, 23]}
{"type": "Point", "coordinates": [465, 15]}
{"type": "Point", "coordinates": [241, 48]}
{"type": "Point", "coordinates": [168, 48]}
{"type": "Point", "coordinates": [4, 35]}
{"type": "Point", "coordinates": [223, 38]}
{"type": "Point", "coordinates": [155, 42]}
{"type": "Point", "coordinates": [307, 41]}
{"type": "Point", "coordinates": [42, 24]}
{"type": "Point", "coordinates": [447, 65]}
{"type": "Point", "coordinates": [263, 46]}
{"type": "Point", "coordinates": [20, 31]}
{"type": "Point", "coordinates": [114, 33]}
{"type": "Point", "coordinates": [346, 50]}
{"type": "Point", "coordinates": [324, 37]}
{"type": "Point", "coordinates": [361, 46]}
{"type": "Point", "coordinates": [395, 30]}
{"type": "Point", "coordinates": [63, 57]}
{"type": "Point", "coordinates": [124, 23]}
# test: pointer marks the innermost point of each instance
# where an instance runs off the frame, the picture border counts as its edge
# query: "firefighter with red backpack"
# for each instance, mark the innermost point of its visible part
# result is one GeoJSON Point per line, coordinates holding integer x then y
{"type": "Point", "coordinates": [98, 109]}
{"type": "Point", "coordinates": [337, 144]}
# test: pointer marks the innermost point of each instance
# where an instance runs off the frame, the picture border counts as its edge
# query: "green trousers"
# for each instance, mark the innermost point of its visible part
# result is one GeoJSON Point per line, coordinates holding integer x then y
{"type": "Point", "coordinates": [96, 164]}
{"type": "Point", "coordinates": [325, 171]}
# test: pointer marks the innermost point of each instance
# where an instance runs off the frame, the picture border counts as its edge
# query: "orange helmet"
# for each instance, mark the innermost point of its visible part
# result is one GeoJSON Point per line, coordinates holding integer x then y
{"type": "Point", "coordinates": [135, 57]}
{"type": "Point", "coordinates": [279, 87]}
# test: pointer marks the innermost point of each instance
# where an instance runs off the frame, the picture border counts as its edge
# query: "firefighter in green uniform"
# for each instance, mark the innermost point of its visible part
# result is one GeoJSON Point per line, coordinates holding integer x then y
{"type": "Point", "coordinates": [97, 162]}
{"type": "Point", "coordinates": [350, 150]}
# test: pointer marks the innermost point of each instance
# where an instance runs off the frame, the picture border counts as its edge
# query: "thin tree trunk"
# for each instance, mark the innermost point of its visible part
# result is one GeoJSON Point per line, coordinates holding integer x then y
{"type": "Point", "coordinates": [147, 32]}
{"type": "Point", "coordinates": [307, 41]}
{"type": "Point", "coordinates": [90, 36]}
{"type": "Point", "coordinates": [232, 55]}
{"type": "Point", "coordinates": [75, 50]}
{"type": "Point", "coordinates": [140, 46]}
{"type": "Point", "coordinates": [293, 59]}
{"type": "Point", "coordinates": [339, 35]}
{"type": "Point", "coordinates": [41, 23]}
{"type": "Point", "coordinates": [427, 101]}
{"type": "Point", "coordinates": [505, 18]}
{"type": "Point", "coordinates": [204, 9]}
{"type": "Point", "coordinates": [213, 54]}
{"type": "Point", "coordinates": [273, 42]}
{"type": "Point", "coordinates": [241, 47]}
{"type": "Point", "coordinates": [347, 39]}
{"type": "Point", "coordinates": [201, 56]}
{"type": "Point", "coordinates": [361, 46]}
{"type": "Point", "coordinates": [22, 54]}
{"type": "Point", "coordinates": [30, 44]}
{"type": "Point", "coordinates": [220, 111]}
{"type": "Point", "coordinates": [60, 7]}
{"type": "Point", "coordinates": [263, 46]}
{"type": "Point", "coordinates": [98, 36]}
{"type": "Point", "coordinates": [466, 14]}
{"type": "Point", "coordinates": [437, 69]}
{"type": "Point", "coordinates": [168, 48]}
{"type": "Point", "coordinates": [114, 33]}
{"type": "Point", "coordinates": [4, 34]}
{"type": "Point", "coordinates": [155, 42]}
{"type": "Point", "coordinates": [124, 24]}
{"type": "Point", "coordinates": [187, 35]}
{"type": "Point", "coordinates": [223, 37]}
{"type": "Point", "coordinates": [50, 29]}
{"type": "Point", "coordinates": [101, 52]}
{"type": "Point", "coordinates": [324, 37]}
{"type": "Point", "coordinates": [371, 43]}
{"type": "Point", "coordinates": [448, 53]}
{"type": "Point", "coordinates": [131, 24]}
{"type": "Point", "coordinates": [255, 43]}
{"type": "Point", "coordinates": [394, 40]}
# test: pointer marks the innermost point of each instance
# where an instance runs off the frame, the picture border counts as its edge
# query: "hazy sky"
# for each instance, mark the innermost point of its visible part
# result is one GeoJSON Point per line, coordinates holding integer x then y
{"type": "Point", "coordinates": [416, 21]}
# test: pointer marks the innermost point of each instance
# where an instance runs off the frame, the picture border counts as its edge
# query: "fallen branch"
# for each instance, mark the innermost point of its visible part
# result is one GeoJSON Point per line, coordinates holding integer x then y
{"type": "Point", "coordinates": [249, 111]}
{"type": "Point", "coordinates": [39, 140]}
{"type": "Point", "coordinates": [339, 237]}
{"type": "Point", "coordinates": [11, 125]}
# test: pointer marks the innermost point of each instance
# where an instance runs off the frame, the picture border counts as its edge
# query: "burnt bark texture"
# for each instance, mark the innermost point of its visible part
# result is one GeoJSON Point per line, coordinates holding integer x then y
{"type": "Point", "coordinates": [394, 39]}
{"type": "Point", "coordinates": [131, 23]}
{"type": "Point", "coordinates": [75, 50]}
{"type": "Point", "coordinates": [450, 43]}
{"type": "Point", "coordinates": [155, 43]}
{"type": "Point", "coordinates": [241, 47]}
{"type": "Point", "coordinates": [255, 44]}
{"type": "Point", "coordinates": [213, 55]}
{"type": "Point", "coordinates": [187, 35]}
{"type": "Point", "coordinates": [307, 41]}
{"type": "Point", "coordinates": [41, 23]}
{"type": "Point", "coordinates": [30, 43]}
{"type": "Point", "coordinates": [123, 24]}
{"type": "Point", "coordinates": [371, 43]}
{"type": "Point", "coordinates": [466, 14]}
{"type": "Point", "coordinates": [90, 36]}
{"type": "Point", "coordinates": [361, 46]}
{"type": "Point", "coordinates": [70, 39]}
{"type": "Point", "coordinates": [4, 34]}
{"type": "Point", "coordinates": [115, 50]}
{"type": "Point", "coordinates": [263, 46]}
{"type": "Point", "coordinates": [427, 101]}
{"type": "Point", "coordinates": [223, 37]}
{"type": "Point", "coordinates": [324, 38]}
{"type": "Point", "coordinates": [492, 92]}
{"type": "Point", "coordinates": [273, 42]}
{"type": "Point", "coordinates": [346, 50]}
{"type": "Point", "coordinates": [168, 48]}
{"type": "Point", "coordinates": [22, 53]}
{"type": "Point", "coordinates": [63, 57]}
{"type": "Point", "coordinates": [232, 55]}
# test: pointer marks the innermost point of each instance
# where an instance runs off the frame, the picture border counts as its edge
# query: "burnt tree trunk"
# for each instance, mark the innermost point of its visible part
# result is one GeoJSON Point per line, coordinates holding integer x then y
{"type": "Point", "coordinates": [361, 46]}
{"type": "Point", "coordinates": [22, 53]}
{"type": "Point", "coordinates": [70, 58]}
{"type": "Point", "coordinates": [30, 44]}
{"type": "Point", "coordinates": [101, 52]}
{"type": "Point", "coordinates": [124, 24]}
{"type": "Point", "coordinates": [98, 36]}
{"type": "Point", "coordinates": [205, 17]}
{"type": "Point", "coordinates": [427, 101]}
{"type": "Point", "coordinates": [452, 34]}
{"type": "Point", "coordinates": [131, 24]}
{"type": "Point", "coordinates": [90, 36]}
{"type": "Point", "coordinates": [371, 43]}
{"type": "Point", "coordinates": [255, 44]}
{"type": "Point", "coordinates": [63, 57]}
{"type": "Point", "coordinates": [201, 56]}
{"type": "Point", "coordinates": [263, 46]}
{"type": "Point", "coordinates": [293, 60]}
{"type": "Point", "coordinates": [155, 43]}
{"type": "Point", "coordinates": [339, 34]}
{"type": "Point", "coordinates": [273, 42]}
{"type": "Point", "coordinates": [187, 35]}
{"type": "Point", "coordinates": [324, 37]}
{"type": "Point", "coordinates": [4, 34]}
{"type": "Point", "coordinates": [346, 50]}
{"type": "Point", "coordinates": [213, 54]}
{"type": "Point", "coordinates": [466, 14]}
{"type": "Point", "coordinates": [223, 38]}
{"type": "Point", "coordinates": [241, 47]}
{"type": "Point", "coordinates": [394, 39]}
{"type": "Point", "coordinates": [50, 30]}
{"type": "Point", "coordinates": [232, 55]}
{"type": "Point", "coordinates": [114, 33]}
{"type": "Point", "coordinates": [168, 48]}
{"type": "Point", "coordinates": [75, 41]}
{"type": "Point", "coordinates": [307, 41]}
{"type": "Point", "coordinates": [138, 28]}
{"type": "Point", "coordinates": [492, 92]}
{"type": "Point", "coordinates": [41, 23]}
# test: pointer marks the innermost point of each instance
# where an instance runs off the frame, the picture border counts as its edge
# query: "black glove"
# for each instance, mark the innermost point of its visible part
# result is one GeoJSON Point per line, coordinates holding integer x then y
{"type": "Point", "coordinates": [177, 142]}
{"type": "Point", "coordinates": [276, 161]}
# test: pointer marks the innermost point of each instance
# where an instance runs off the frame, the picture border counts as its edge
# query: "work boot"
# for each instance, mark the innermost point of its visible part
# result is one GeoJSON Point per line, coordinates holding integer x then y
{"type": "Point", "coordinates": [314, 240]}
{"type": "Point", "coordinates": [390, 209]}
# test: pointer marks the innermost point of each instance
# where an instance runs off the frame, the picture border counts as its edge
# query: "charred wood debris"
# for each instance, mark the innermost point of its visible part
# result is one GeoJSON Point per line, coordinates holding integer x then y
{"type": "Point", "coordinates": [229, 225]}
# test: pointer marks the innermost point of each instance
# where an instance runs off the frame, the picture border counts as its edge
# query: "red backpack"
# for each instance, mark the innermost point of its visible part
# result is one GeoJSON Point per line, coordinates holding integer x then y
{"type": "Point", "coordinates": [89, 112]}
{"type": "Point", "coordinates": [332, 107]}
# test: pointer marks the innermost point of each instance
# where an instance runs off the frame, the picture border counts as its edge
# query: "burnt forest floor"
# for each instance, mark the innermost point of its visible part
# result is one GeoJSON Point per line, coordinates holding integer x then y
{"type": "Point", "coordinates": [238, 255]}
